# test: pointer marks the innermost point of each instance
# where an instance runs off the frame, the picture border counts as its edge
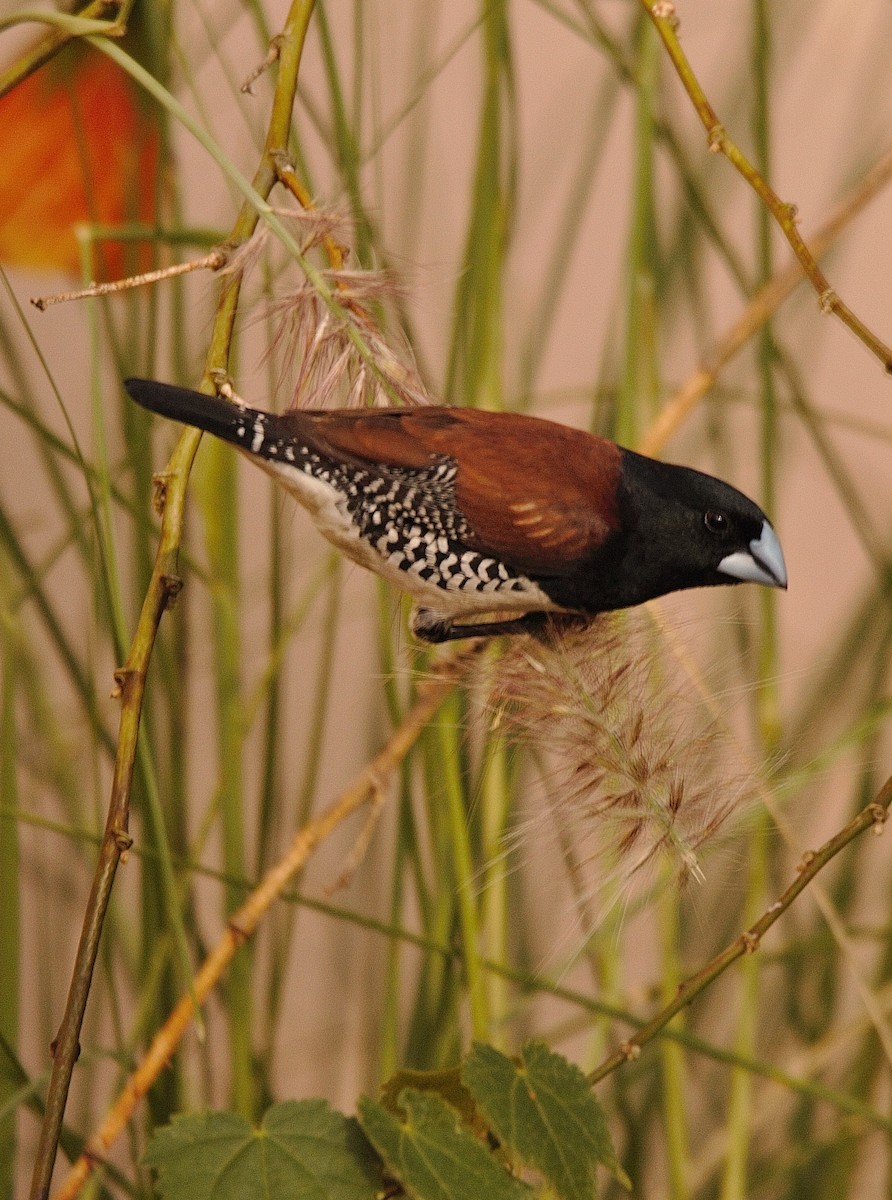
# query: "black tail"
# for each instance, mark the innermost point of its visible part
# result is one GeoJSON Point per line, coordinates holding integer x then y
{"type": "Point", "coordinates": [210, 413]}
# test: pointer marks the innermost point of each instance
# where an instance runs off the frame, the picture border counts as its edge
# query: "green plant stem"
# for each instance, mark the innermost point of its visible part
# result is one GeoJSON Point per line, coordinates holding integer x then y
{"type": "Point", "coordinates": [592, 29]}
{"type": "Point", "coordinates": [346, 137]}
{"type": "Point", "coordinates": [48, 445]}
{"type": "Point", "coordinates": [495, 802]}
{"type": "Point", "coordinates": [671, 1056]}
{"type": "Point", "coordinates": [561, 255]}
{"type": "Point", "coordinates": [109, 562]}
{"type": "Point", "coordinates": [78, 676]}
{"type": "Point", "coordinates": [292, 625]}
{"type": "Point", "coordinates": [769, 698]}
{"type": "Point", "coordinates": [64, 29]}
{"type": "Point", "coordinates": [763, 304]}
{"type": "Point", "coordinates": [163, 588]}
{"type": "Point", "coordinates": [218, 491]}
{"type": "Point", "coordinates": [639, 380]}
{"type": "Point", "coordinates": [465, 875]}
{"type": "Point", "coordinates": [735, 1183]}
{"type": "Point", "coordinates": [474, 372]}
{"type": "Point", "coordinates": [10, 879]}
{"type": "Point", "coordinates": [527, 982]}
{"type": "Point", "coordinates": [322, 691]}
{"type": "Point", "coordinates": [784, 214]}
{"type": "Point", "coordinates": [244, 921]}
{"type": "Point", "coordinates": [874, 816]}
{"type": "Point", "coordinates": [116, 839]}
{"type": "Point", "coordinates": [105, 574]}
{"type": "Point", "coordinates": [434, 1037]}
{"type": "Point", "coordinates": [405, 844]}
{"type": "Point", "coordinates": [270, 794]}
{"type": "Point", "coordinates": [306, 794]}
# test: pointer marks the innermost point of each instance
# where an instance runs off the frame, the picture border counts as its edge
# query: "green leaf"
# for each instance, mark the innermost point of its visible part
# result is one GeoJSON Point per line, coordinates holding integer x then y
{"type": "Point", "coordinates": [432, 1155]}
{"type": "Point", "coordinates": [447, 1084]}
{"type": "Point", "coordinates": [302, 1150]}
{"type": "Point", "coordinates": [542, 1109]}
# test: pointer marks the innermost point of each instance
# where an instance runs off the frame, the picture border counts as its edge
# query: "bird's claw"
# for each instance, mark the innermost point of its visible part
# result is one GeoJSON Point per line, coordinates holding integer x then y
{"type": "Point", "coordinates": [435, 628]}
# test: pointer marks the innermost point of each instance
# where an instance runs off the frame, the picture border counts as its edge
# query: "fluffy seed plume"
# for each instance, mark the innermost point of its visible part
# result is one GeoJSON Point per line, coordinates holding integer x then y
{"type": "Point", "coordinates": [345, 361]}
{"type": "Point", "coordinates": [341, 357]}
{"type": "Point", "coordinates": [636, 767]}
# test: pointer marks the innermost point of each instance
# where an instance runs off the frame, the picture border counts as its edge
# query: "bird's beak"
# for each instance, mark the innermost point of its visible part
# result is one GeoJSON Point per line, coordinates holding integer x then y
{"type": "Point", "coordinates": [763, 564]}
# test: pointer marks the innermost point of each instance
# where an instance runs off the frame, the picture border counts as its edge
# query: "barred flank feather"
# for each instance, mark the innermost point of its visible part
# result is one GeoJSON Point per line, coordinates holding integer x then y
{"type": "Point", "coordinates": [638, 767]}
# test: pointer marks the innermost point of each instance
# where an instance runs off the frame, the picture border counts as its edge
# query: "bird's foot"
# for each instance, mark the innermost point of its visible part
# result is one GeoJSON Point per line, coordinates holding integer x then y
{"type": "Point", "coordinates": [434, 627]}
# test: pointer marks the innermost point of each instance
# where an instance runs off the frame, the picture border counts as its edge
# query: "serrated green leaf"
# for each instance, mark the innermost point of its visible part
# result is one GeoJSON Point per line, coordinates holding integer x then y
{"type": "Point", "coordinates": [432, 1155]}
{"type": "Point", "coordinates": [302, 1150]}
{"type": "Point", "coordinates": [543, 1110]}
{"type": "Point", "coordinates": [447, 1084]}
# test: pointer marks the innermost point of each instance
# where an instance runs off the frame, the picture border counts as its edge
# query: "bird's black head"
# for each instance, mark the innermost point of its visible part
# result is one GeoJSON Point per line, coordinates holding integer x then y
{"type": "Point", "coordinates": [683, 529]}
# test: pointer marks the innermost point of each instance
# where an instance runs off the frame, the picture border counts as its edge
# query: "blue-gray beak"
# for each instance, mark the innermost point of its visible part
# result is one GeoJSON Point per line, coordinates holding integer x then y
{"type": "Point", "coordinates": [764, 563]}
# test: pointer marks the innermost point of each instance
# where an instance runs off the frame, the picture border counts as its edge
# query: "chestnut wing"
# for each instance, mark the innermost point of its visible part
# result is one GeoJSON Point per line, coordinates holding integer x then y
{"type": "Point", "coordinates": [535, 494]}
{"type": "Point", "coordinates": [540, 496]}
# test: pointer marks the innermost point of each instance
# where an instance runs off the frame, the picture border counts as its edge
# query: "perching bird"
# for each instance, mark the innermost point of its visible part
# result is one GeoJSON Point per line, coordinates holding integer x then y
{"type": "Point", "coordinates": [479, 513]}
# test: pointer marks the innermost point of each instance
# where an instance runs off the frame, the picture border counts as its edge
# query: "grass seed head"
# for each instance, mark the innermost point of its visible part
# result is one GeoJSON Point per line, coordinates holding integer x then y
{"type": "Point", "coordinates": [637, 771]}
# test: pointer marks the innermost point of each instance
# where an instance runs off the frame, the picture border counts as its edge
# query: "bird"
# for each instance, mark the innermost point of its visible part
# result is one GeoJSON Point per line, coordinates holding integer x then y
{"type": "Point", "coordinates": [494, 515]}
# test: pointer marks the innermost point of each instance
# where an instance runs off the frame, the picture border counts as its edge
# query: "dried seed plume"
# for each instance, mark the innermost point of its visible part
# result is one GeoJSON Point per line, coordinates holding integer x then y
{"type": "Point", "coordinates": [636, 769]}
{"type": "Point", "coordinates": [334, 345]}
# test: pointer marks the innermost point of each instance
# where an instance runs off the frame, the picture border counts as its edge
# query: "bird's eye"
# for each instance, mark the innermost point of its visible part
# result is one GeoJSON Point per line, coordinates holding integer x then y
{"type": "Point", "coordinates": [715, 522]}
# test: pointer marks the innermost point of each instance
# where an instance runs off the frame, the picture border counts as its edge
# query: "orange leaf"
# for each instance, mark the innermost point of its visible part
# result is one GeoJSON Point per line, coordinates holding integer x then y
{"type": "Point", "coordinates": [77, 145]}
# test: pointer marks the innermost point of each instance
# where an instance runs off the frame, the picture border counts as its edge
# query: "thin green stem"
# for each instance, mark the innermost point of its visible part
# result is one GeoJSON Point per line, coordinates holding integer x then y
{"type": "Point", "coordinates": [75, 670]}
{"type": "Point", "coordinates": [672, 1060]}
{"type": "Point", "coordinates": [639, 380]}
{"type": "Point", "coordinates": [307, 792]}
{"type": "Point", "coordinates": [784, 214]}
{"type": "Point", "coordinates": [495, 808]}
{"type": "Point", "coordinates": [532, 982]}
{"type": "Point", "coordinates": [10, 884]}
{"type": "Point", "coordinates": [735, 1184]}
{"type": "Point", "coordinates": [164, 586]}
{"type": "Point", "coordinates": [474, 371]}
{"type": "Point", "coordinates": [68, 27]}
{"type": "Point", "coordinates": [874, 816]}
{"type": "Point", "coordinates": [219, 495]}
{"type": "Point", "coordinates": [465, 873]}
{"type": "Point", "coordinates": [109, 561]}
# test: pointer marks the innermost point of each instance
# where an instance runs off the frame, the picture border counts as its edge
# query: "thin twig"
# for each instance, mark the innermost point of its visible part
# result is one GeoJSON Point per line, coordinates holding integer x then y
{"type": "Point", "coordinates": [163, 587]}
{"type": "Point", "coordinates": [211, 262]}
{"type": "Point", "coordinates": [290, 180]}
{"type": "Point", "coordinates": [113, 12]}
{"type": "Point", "coordinates": [874, 817]}
{"type": "Point", "coordinates": [664, 17]}
{"type": "Point", "coordinates": [790, 835]}
{"type": "Point", "coordinates": [762, 306]}
{"type": "Point", "coordinates": [812, 1060]}
{"type": "Point", "coordinates": [244, 921]}
{"type": "Point", "coordinates": [360, 847]}
{"type": "Point", "coordinates": [272, 56]}
{"type": "Point", "coordinates": [131, 679]}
